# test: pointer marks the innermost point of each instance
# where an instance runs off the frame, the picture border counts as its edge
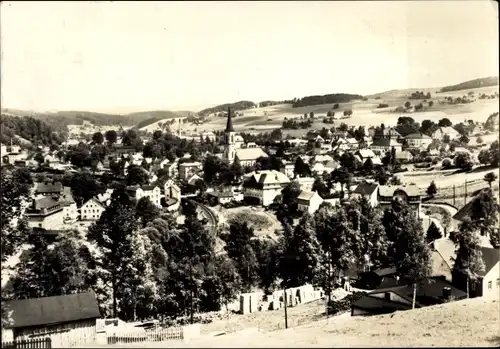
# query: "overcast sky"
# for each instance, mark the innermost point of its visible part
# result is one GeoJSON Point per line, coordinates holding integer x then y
{"type": "Point", "coordinates": [186, 56]}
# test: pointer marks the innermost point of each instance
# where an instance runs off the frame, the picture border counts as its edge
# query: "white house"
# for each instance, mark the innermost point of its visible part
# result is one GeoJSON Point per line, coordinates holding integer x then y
{"type": "Point", "coordinates": [172, 190]}
{"type": "Point", "coordinates": [309, 201]}
{"type": "Point", "coordinates": [442, 131]}
{"type": "Point", "coordinates": [368, 191]}
{"type": "Point", "coordinates": [92, 210]}
{"type": "Point", "coordinates": [151, 191]}
{"type": "Point", "coordinates": [418, 140]}
{"type": "Point", "coordinates": [45, 213]}
{"type": "Point", "coordinates": [287, 169]}
{"type": "Point", "coordinates": [263, 186]}
{"type": "Point", "coordinates": [187, 169]}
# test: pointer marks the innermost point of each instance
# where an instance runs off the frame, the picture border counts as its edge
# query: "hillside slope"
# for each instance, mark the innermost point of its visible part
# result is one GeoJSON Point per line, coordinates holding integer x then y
{"type": "Point", "coordinates": [476, 83]}
{"type": "Point", "coordinates": [472, 322]}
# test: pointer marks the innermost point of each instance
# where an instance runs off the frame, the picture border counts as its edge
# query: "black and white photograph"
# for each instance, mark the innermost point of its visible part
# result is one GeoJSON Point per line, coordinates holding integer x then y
{"type": "Point", "coordinates": [249, 174]}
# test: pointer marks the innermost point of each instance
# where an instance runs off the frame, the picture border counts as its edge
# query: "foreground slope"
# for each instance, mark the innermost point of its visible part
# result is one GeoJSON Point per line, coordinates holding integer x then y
{"type": "Point", "coordinates": [472, 322]}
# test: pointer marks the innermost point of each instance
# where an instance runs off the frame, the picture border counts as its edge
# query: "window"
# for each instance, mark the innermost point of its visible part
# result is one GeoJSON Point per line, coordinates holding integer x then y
{"type": "Point", "coordinates": [490, 285]}
{"type": "Point", "coordinates": [473, 286]}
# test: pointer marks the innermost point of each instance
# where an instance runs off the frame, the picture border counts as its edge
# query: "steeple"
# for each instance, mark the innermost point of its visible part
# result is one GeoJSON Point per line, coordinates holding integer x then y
{"type": "Point", "coordinates": [229, 125]}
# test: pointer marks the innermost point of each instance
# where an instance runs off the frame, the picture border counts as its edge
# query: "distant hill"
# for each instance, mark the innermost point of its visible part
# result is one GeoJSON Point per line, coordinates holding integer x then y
{"type": "Point", "coordinates": [65, 118]}
{"type": "Point", "coordinates": [325, 99]}
{"type": "Point", "coordinates": [26, 130]}
{"type": "Point", "coordinates": [476, 83]}
{"type": "Point", "coordinates": [241, 105]}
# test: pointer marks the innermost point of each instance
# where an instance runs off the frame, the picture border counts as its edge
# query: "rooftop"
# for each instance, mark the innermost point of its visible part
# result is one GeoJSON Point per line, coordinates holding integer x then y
{"type": "Point", "coordinates": [52, 310]}
{"type": "Point", "coordinates": [389, 190]}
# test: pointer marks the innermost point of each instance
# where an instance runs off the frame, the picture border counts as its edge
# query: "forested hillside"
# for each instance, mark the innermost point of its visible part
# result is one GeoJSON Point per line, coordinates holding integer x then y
{"type": "Point", "coordinates": [476, 83]}
{"type": "Point", "coordinates": [241, 105]}
{"type": "Point", "coordinates": [36, 131]}
{"type": "Point", "coordinates": [326, 99]}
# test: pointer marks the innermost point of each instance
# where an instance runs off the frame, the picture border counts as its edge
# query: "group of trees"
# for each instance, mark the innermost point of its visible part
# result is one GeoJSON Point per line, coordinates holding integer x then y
{"type": "Point", "coordinates": [490, 156]}
{"type": "Point", "coordinates": [295, 125]}
{"type": "Point", "coordinates": [241, 105]}
{"type": "Point", "coordinates": [37, 132]}
{"type": "Point", "coordinates": [420, 95]}
{"type": "Point", "coordinates": [326, 99]}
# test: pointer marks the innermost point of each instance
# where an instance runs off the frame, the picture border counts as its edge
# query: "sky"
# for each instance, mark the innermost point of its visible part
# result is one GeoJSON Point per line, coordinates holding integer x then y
{"type": "Point", "coordinates": [131, 56]}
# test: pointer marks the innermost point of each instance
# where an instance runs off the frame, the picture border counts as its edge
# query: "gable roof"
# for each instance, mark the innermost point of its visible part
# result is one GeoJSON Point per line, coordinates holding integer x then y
{"type": "Point", "coordinates": [306, 195]}
{"type": "Point", "coordinates": [417, 135]}
{"type": "Point", "coordinates": [49, 188]}
{"type": "Point", "coordinates": [45, 203]}
{"type": "Point", "coordinates": [365, 188]}
{"type": "Point", "coordinates": [385, 142]}
{"type": "Point", "coordinates": [366, 153]}
{"type": "Point", "coordinates": [52, 310]}
{"type": "Point", "coordinates": [250, 153]}
{"type": "Point", "coordinates": [95, 201]}
{"type": "Point", "coordinates": [491, 257]}
{"type": "Point", "coordinates": [379, 305]}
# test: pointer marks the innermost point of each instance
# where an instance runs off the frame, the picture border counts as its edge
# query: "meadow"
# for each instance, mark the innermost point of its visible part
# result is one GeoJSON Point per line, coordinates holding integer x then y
{"type": "Point", "coordinates": [365, 113]}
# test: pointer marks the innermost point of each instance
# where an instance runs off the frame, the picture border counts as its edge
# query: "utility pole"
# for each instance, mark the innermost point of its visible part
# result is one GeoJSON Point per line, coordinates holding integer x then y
{"type": "Point", "coordinates": [285, 301]}
{"type": "Point", "coordinates": [465, 197]}
{"type": "Point", "coordinates": [454, 195]}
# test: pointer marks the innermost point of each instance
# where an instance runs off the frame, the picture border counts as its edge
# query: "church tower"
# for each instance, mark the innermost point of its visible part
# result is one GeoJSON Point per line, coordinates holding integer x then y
{"type": "Point", "coordinates": [229, 141]}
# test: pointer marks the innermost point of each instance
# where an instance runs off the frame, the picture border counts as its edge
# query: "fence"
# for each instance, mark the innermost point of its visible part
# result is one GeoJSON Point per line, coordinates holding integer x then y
{"type": "Point", "coordinates": [154, 335]}
{"type": "Point", "coordinates": [30, 343]}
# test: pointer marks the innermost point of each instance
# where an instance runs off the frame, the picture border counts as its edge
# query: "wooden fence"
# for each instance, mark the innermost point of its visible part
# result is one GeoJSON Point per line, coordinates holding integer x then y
{"type": "Point", "coordinates": [30, 343]}
{"type": "Point", "coordinates": [154, 335]}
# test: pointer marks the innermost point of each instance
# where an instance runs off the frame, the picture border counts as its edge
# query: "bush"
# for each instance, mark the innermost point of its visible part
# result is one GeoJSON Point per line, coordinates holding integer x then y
{"type": "Point", "coordinates": [446, 164]}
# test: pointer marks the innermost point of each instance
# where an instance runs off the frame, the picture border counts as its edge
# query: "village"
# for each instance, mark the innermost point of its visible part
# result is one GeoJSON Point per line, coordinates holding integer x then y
{"type": "Point", "coordinates": [261, 174]}
{"type": "Point", "coordinates": [325, 168]}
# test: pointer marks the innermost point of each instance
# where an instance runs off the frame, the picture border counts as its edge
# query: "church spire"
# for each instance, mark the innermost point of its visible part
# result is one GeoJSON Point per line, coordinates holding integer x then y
{"type": "Point", "coordinates": [229, 125]}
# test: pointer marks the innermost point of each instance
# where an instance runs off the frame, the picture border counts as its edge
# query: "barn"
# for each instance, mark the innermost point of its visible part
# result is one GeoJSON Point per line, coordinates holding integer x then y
{"type": "Point", "coordinates": [69, 320]}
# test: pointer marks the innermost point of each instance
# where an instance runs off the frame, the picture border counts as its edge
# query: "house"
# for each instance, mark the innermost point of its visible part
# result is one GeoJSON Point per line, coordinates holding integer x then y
{"type": "Point", "coordinates": [405, 129]}
{"type": "Point", "coordinates": [208, 135]}
{"type": "Point", "coordinates": [194, 179]}
{"type": "Point", "coordinates": [442, 131]}
{"type": "Point", "coordinates": [92, 210]}
{"type": "Point", "coordinates": [418, 140]}
{"type": "Point", "coordinates": [70, 209]}
{"type": "Point", "coordinates": [309, 201]}
{"type": "Point", "coordinates": [222, 197]}
{"type": "Point", "coordinates": [376, 278]}
{"type": "Point", "coordinates": [410, 194]}
{"type": "Point", "coordinates": [389, 299]}
{"type": "Point", "coordinates": [288, 169]}
{"type": "Point", "coordinates": [233, 147]}
{"type": "Point", "coordinates": [171, 191]}
{"type": "Point", "coordinates": [306, 183]}
{"type": "Point", "coordinates": [153, 192]}
{"type": "Point", "coordinates": [262, 187]}
{"type": "Point", "coordinates": [69, 320]}
{"type": "Point", "coordinates": [365, 154]}
{"type": "Point", "coordinates": [105, 198]}
{"type": "Point", "coordinates": [369, 191]}
{"type": "Point", "coordinates": [403, 157]}
{"type": "Point", "coordinates": [187, 169]}
{"type": "Point", "coordinates": [49, 189]}
{"type": "Point", "coordinates": [386, 133]}
{"type": "Point", "coordinates": [45, 213]}
{"type": "Point", "coordinates": [488, 282]}
{"type": "Point", "coordinates": [385, 145]}
{"type": "Point", "coordinates": [172, 168]}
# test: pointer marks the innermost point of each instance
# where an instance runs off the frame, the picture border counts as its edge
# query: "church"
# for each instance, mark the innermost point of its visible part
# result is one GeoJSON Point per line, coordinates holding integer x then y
{"type": "Point", "coordinates": [235, 148]}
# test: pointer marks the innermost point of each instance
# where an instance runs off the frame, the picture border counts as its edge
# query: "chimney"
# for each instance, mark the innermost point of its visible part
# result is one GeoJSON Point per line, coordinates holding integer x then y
{"type": "Point", "coordinates": [446, 293]}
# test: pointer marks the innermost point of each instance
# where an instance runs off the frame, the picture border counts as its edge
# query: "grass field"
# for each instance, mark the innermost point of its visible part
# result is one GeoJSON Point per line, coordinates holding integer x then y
{"type": "Point", "coordinates": [263, 223]}
{"type": "Point", "coordinates": [364, 112]}
{"type": "Point", "coordinates": [472, 322]}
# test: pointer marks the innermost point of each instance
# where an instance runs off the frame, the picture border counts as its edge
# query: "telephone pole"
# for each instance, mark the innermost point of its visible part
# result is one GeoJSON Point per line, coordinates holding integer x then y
{"type": "Point", "coordinates": [285, 301]}
{"type": "Point", "coordinates": [454, 195]}
{"type": "Point", "coordinates": [465, 197]}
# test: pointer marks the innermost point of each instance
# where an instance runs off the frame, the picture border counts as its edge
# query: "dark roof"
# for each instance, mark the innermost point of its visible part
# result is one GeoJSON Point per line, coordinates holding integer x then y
{"type": "Point", "coordinates": [429, 292]}
{"type": "Point", "coordinates": [379, 305]}
{"type": "Point", "coordinates": [49, 187]}
{"type": "Point", "coordinates": [148, 187]}
{"type": "Point", "coordinates": [405, 130]}
{"type": "Point", "coordinates": [491, 256]}
{"type": "Point", "coordinates": [466, 211]}
{"type": "Point", "coordinates": [365, 188]}
{"type": "Point", "coordinates": [383, 142]}
{"type": "Point", "coordinates": [43, 203]}
{"type": "Point", "coordinates": [229, 125]}
{"type": "Point", "coordinates": [52, 310]}
{"type": "Point", "coordinates": [385, 271]}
